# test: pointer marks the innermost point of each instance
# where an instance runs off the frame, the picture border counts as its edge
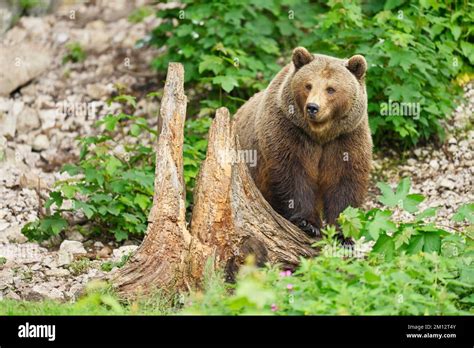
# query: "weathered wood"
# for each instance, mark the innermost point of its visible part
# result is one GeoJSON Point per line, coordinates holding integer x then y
{"type": "Point", "coordinates": [160, 260]}
{"type": "Point", "coordinates": [211, 222]}
{"type": "Point", "coordinates": [230, 219]}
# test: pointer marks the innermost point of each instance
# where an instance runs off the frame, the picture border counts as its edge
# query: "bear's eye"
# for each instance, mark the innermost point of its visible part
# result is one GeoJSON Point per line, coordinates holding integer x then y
{"type": "Point", "coordinates": [308, 86]}
{"type": "Point", "coordinates": [330, 90]}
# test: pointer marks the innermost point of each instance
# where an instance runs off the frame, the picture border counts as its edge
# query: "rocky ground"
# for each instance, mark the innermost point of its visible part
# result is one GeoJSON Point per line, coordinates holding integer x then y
{"type": "Point", "coordinates": [443, 174]}
{"type": "Point", "coordinates": [40, 121]}
{"type": "Point", "coordinates": [48, 104]}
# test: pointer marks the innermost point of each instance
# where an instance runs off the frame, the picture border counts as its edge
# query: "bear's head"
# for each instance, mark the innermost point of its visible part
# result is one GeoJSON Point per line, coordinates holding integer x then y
{"type": "Point", "coordinates": [329, 93]}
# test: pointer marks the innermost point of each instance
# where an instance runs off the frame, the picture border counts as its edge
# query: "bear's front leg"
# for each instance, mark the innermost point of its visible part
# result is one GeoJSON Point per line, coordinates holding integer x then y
{"type": "Point", "coordinates": [347, 192]}
{"type": "Point", "coordinates": [301, 209]}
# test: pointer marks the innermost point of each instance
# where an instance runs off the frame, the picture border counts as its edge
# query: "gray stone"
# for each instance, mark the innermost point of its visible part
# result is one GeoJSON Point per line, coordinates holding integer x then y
{"type": "Point", "coordinates": [9, 111]}
{"type": "Point", "coordinates": [75, 236]}
{"type": "Point", "coordinates": [27, 120]}
{"type": "Point", "coordinates": [447, 183]}
{"type": "Point", "coordinates": [48, 118]}
{"type": "Point", "coordinates": [72, 247]}
{"type": "Point", "coordinates": [45, 291]}
{"type": "Point", "coordinates": [434, 164]}
{"type": "Point", "coordinates": [64, 258]}
{"type": "Point", "coordinates": [41, 142]}
{"type": "Point", "coordinates": [21, 63]}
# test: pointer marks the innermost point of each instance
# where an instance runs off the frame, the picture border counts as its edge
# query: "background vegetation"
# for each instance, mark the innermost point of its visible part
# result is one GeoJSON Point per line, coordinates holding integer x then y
{"type": "Point", "coordinates": [415, 49]}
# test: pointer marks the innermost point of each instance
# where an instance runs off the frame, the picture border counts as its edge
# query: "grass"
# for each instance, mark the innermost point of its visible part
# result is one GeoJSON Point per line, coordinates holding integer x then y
{"type": "Point", "coordinates": [99, 300]}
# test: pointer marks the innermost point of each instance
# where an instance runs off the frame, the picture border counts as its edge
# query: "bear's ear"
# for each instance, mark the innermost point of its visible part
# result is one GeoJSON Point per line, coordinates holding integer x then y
{"type": "Point", "coordinates": [357, 65]}
{"type": "Point", "coordinates": [301, 57]}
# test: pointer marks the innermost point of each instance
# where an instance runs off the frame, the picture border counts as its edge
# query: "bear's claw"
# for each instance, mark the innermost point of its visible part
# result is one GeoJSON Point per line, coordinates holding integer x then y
{"type": "Point", "coordinates": [308, 228]}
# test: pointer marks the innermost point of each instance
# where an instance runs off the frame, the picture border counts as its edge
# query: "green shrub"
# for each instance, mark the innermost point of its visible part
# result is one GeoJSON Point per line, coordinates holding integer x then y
{"type": "Point", "coordinates": [109, 265]}
{"type": "Point", "coordinates": [420, 284]}
{"type": "Point", "coordinates": [414, 49]}
{"type": "Point", "coordinates": [409, 236]}
{"type": "Point", "coordinates": [75, 53]}
{"type": "Point", "coordinates": [414, 268]}
{"type": "Point", "coordinates": [114, 190]}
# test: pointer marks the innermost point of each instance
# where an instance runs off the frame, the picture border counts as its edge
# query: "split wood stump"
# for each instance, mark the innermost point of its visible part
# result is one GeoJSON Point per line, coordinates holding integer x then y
{"type": "Point", "coordinates": [230, 218]}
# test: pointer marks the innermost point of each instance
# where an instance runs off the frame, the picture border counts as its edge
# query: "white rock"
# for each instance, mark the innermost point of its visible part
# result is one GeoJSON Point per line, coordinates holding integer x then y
{"type": "Point", "coordinates": [75, 236]}
{"type": "Point", "coordinates": [12, 234]}
{"type": "Point", "coordinates": [434, 164]}
{"type": "Point", "coordinates": [57, 272]}
{"type": "Point", "coordinates": [41, 142]}
{"type": "Point", "coordinates": [21, 63]}
{"type": "Point", "coordinates": [124, 250]}
{"type": "Point", "coordinates": [27, 120]}
{"type": "Point", "coordinates": [64, 258]}
{"type": "Point", "coordinates": [6, 278]}
{"type": "Point", "coordinates": [97, 91]}
{"type": "Point", "coordinates": [62, 37]}
{"type": "Point", "coordinates": [48, 118]}
{"type": "Point", "coordinates": [446, 183]}
{"type": "Point", "coordinates": [30, 180]}
{"type": "Point", "coordinates": [9, 111]}
{"type": "Point", "coordinates": [45, 291]}
{"type": "Point", "coordinates": [72, 247]}
{"type": "Point", "coordinates": [13, 296]}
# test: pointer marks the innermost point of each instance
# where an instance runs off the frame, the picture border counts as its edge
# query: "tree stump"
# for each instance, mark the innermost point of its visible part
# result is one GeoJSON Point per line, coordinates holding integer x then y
{"type": "Point", "coordinates": [230, 218]}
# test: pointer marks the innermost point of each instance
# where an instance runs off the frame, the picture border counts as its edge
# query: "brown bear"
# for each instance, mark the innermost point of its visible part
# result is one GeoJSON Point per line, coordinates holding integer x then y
{"type": "Point", "coordinates": [310, 131]}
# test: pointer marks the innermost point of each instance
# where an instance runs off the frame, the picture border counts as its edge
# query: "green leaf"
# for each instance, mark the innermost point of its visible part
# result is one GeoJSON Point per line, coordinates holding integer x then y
{"type": "Point", "coordinates": [391, 4]}
{"type": "Point", "coordinates": [350, 222]}
{"type": "Point", "coordinates": [131, 218]}
{"type": "Point", "coordinates": [416, 244]}
{"type": "Point", "coordinates": [465, 212]}
{"type": "Point", "coordinates": [110, 122]}
{"type": "Point", "coordinates": [56, 198]}
{"type": "Point", "coordinates": [400, 197]}
{"type": "Point", "coordinates": [385, 246]}
{"type": "Point", "coordinates": [411, 202]}
{"type": "Point", "coordinates": [135, 130]}
{"type": "Point", "coordinates": [69, 191]}
{"type": "Point", "coordinates": [371, 277]}
{"type": "Point", "coordinates": [94, 176]}
{"type": "Point", "coordinates": [130, 100]}
{"type": "Point", "coordinates": [403, 188]}
{"type": "Point", "coordinates": [432, 243]}
{"type": "Point", "coordinates": [211, 63]}
{"type": "Point", "coordinates": [120, 234]}
{"type": "Point", "coordinates": [404, 236]}
{"type": "Point", "coordinates": [456, 31]}
{"type": "Point", "coordinates": [387, 198]}
{"type": "Point", "coordinates": [227, 82]}
{"type": "Point", "coordinates": [112, 165]}
{"type": "Point", "coordinates": [86, 208]}
{"type": "Point", "coordinates": [430, 212]}
{"type": "Point", "coordinates": [71, 169]}
{"type": "Point", "coordinates": [143, 201]}
{"type": "Point", "coordinates": [380, 223]}
{"type": "Point", "coordinates": [114, 209]}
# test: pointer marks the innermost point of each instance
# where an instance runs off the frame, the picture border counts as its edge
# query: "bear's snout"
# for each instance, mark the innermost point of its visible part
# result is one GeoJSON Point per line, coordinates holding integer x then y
{"type": "Point", "coordinates": [312, 109]}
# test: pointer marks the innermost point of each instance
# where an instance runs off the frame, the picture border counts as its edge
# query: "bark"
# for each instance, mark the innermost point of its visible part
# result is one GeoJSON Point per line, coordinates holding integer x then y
{"type": "Point", "coordinates": [159, 261]}
{"type": "Point", "coordinates": [230, 219]}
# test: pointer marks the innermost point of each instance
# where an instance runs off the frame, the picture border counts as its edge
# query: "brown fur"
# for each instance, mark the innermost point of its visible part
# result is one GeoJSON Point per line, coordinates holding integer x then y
{"type": "Point", "coordinates": [321, 166]}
